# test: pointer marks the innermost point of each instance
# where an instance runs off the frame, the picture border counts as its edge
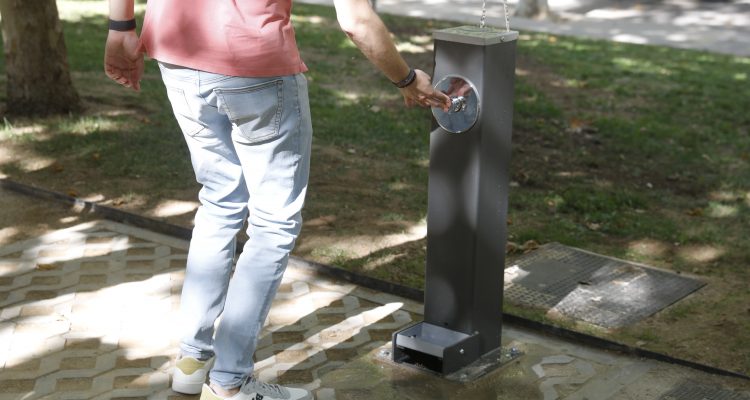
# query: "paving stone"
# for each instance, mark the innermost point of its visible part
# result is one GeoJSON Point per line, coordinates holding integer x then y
{"type": "Point", "coordinates": [124, 362]}
{"type": "Point", "coordinates": [93, 266]}
{"type": "Point", "coordinates": [82, 343]}
{"type": "Point", "coordinates": [335, 354]}
{"type": "Point", "coordinates": [336, 335]}
{"type": "Point", "coordinates": [294, 376]}
{"type": "Point", "coordinates": [136, 240]}
{"type": "Point", "coordinates": [78, 363]}
{"type": "Point", "coordinates": [383, 335]}
{"type": "Point", "coordinates": [45, 280]}
{"type": "Point", "coordinates": [23, 364]}
{"type": "Point", "coordinates": [96, 252]}
{"type": "Point", "coordinates": [131, 382]}
{"type": "Point", "coordinates": [330, 319]}
{"type": "Point", "coordinates": [16, 255]}
{"type": "Point", "coordinates": [32, 295]}
{"type": "Point", "coordinates": [291, 356]}
{"type": "Point", "coordinates": [98, 240]}
{"type": "Point", "coordinates": [73, 384]}
{"type": "Point", "coordinates": [45, 329]}
{"type": "Point", "coordinates": [287, 337]}
{"type": "Point", "coordinates": [136, 277]}
{"type": "Point", "coordinates": [140, 264]}
{"type": "Point", "coordinates": [93, 279]}
{"type": "Point", "coordinates": [54, 252]}
{"type": "Point", "coordinates": [16, 385]}
{"type": "Point", "coordinates": [33, 311]}
{"type": "Point", "coordinates": [140, 251]}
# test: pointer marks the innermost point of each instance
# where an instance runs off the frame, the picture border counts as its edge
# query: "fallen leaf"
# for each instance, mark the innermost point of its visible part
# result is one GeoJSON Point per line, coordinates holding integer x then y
{"type": "Point", "coordinates": [529, 245]}
{"type": "Point", "coordinates": [576, 125]}
{"type": "Point", "coordinates": [593, 226]}
{"type": "Point", "coordinates": [72, 193]}
{"type": "Point", "coordinates": [511, 248]}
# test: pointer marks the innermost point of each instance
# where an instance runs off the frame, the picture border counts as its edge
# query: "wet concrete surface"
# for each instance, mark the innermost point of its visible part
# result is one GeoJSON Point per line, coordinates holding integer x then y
{"type": "Point", "coordinates": [548, 368]}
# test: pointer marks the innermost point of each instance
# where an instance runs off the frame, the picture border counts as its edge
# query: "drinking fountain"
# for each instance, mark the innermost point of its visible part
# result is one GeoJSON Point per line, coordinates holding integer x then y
{"type": "Point", "coordinates": [470, 147]}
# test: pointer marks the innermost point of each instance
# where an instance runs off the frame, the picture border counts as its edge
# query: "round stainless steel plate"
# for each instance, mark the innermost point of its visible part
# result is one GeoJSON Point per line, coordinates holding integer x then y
{"type": "Point", "coordinates": [464, 111]}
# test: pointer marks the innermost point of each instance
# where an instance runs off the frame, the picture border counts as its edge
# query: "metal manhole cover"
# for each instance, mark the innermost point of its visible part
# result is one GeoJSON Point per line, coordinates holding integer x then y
{"type": "Point", "coordinates": [589, 287]}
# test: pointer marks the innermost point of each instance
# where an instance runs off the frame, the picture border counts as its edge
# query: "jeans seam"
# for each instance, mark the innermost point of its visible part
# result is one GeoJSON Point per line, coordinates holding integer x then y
{"type": "Point", "coordinates": [199, 83]}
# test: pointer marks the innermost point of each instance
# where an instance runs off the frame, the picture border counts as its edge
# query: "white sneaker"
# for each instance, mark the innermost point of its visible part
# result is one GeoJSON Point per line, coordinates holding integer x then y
{"type": "Point", "coordinates": [190, 374]}
{"type": "Point", "coordinates": [256, 390]}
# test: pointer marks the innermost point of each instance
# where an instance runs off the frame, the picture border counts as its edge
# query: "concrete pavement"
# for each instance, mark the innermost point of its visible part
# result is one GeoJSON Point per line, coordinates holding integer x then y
{"type": "Point", "coordinates": [715, 26]}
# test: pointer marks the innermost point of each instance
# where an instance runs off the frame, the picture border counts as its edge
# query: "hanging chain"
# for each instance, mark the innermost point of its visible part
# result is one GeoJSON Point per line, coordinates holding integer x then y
{"type": "Point", "coordinates": [484, 14]}
{"type": "Point", "coordinates": [505, 13]}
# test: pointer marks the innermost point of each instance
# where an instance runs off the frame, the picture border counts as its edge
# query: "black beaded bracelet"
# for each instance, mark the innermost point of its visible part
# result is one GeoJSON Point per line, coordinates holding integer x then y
{"type": "Point", "coordinates": [122, 26]}
{"type": "Point", "coordinates": [408, 80]}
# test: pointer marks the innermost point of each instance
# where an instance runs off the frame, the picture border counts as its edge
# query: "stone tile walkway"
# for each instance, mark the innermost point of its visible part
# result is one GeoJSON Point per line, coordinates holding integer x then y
{"type": "Point", "coordinates": [89, 312]}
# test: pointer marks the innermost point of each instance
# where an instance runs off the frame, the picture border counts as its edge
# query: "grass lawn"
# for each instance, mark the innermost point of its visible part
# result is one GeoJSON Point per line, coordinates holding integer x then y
{"type": "Point", "coordinates": [636, 152]}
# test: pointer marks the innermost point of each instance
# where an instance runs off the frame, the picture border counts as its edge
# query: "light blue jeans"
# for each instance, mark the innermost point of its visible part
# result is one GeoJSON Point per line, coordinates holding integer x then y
{"type": "Point", "coordinates": [249, 141]}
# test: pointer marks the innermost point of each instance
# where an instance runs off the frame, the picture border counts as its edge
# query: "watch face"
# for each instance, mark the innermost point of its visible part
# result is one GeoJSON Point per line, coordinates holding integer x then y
{"type": "Point", "coordinates": [464, 110]}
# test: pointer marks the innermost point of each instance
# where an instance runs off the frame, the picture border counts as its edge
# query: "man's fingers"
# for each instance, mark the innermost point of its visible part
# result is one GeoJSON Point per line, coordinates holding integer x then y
{"type": "Point", "coordinates": [127, 78]}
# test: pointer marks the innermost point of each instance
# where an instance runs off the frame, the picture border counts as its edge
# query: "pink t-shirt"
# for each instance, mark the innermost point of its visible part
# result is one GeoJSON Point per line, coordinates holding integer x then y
{"type": "Point", "coordinates": [231, 37]}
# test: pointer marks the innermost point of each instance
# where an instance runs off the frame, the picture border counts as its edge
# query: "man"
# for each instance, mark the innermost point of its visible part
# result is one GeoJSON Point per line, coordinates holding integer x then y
{"type": "Point", "coordinates": [234, 78]}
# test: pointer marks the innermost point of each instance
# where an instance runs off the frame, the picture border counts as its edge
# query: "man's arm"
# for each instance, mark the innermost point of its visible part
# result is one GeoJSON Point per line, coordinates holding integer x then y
{"type": "Point", "coordinates": [369, 34]}
{"type": "Point", "coordinates": [123, 58]}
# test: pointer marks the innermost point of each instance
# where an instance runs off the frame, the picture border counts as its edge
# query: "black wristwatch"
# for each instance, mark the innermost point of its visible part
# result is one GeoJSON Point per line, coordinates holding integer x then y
{"type": "Point", "coordinates": [122, 26]}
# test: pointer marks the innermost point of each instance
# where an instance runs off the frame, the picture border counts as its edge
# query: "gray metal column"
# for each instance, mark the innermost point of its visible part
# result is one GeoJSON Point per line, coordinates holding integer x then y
{"type": "Point", "coordinates": [467, 202]}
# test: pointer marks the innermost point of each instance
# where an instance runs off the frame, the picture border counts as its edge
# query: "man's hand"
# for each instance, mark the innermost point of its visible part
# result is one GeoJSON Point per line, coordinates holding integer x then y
{"type": "Point", "coordinates": [421, 93]}
{"type": "Point", "coordinates": [123, 59]}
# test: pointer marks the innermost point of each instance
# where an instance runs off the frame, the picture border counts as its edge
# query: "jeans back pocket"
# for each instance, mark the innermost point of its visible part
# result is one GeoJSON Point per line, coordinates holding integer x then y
{"type": "Point", "coordinates": [255, 111]}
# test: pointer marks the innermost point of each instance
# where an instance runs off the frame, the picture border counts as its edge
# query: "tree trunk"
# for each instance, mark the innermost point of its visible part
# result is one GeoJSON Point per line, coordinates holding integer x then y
{"type": "Point", "coordinates": [538, 9]}
{"type": "Point", "coordinates": [36, 60]}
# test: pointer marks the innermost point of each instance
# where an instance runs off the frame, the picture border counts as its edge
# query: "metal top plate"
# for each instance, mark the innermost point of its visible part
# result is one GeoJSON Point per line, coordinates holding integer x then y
{"type": "Point", "coordinates": [471, 34]}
